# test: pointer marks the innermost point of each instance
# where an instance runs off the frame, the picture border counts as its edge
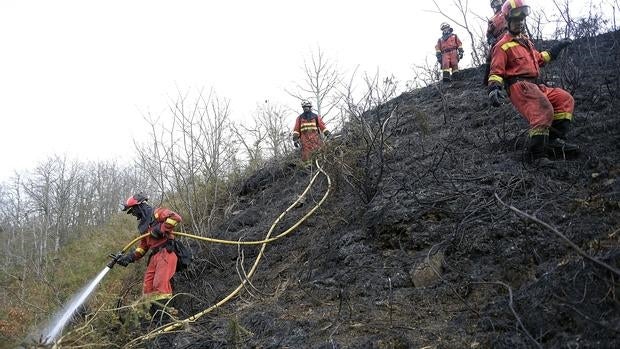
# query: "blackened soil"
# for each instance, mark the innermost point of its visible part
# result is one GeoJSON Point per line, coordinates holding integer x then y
{"type": "Point", "coordinates": [354, 274]}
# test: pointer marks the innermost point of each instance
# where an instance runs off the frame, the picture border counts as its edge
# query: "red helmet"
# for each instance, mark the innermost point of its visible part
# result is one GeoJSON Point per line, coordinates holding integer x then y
{"type": "Point", "coordinates": [515, 9]}
{"type": "Point", "coordinates": [133, 201]}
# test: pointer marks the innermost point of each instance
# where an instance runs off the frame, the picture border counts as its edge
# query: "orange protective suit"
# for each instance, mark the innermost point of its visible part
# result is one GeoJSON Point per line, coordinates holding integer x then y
{"type": "Point", "coordinates": [515, 63]}
{"type": "Point", "coordinates": [496, 28]}
{"type": "Point", "coordinates": [309, 127]}
{"type": "Point", "coordinates": [162, 262]}
{"type": "Point", "coordinates": [448, 46]}
{"type": "Point", "coordinates": [159, 272]}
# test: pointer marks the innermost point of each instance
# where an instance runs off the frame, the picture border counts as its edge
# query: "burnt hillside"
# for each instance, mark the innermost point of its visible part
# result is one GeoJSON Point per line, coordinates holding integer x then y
{"type": "Point", "coordinates": [434, 259]}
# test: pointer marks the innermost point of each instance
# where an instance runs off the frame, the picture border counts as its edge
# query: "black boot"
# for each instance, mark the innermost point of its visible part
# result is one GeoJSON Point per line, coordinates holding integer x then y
{"type": "Point", "coordinates": [560, 148]}
{"type": "Point", "coordinates": [557, 146]}
{"type": "Point", "coordinates": [446, 76]}
{"type": "Point", "coordinates": [559, 129]}
{"type": "Point", "coordinates": [537, 150]}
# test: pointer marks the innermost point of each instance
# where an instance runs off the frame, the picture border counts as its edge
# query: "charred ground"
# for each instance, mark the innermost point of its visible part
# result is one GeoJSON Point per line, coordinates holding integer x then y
{"type": "Point", "coordinates": [432, 258]}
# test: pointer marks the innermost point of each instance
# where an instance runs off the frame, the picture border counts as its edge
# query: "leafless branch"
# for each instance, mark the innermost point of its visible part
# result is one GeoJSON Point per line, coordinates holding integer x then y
{"type": "Point", "coordinates": [561, 236]}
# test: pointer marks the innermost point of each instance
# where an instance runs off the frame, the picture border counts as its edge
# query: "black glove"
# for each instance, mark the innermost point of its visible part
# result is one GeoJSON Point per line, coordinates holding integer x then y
{"type": "Point", "coordinates": [461, 53]}
{"type": "Point", "coordinates": [125, 259]}
{"type": "Point", "coordinates": [438, 54]}
{"type": "Point", "coordinates": [156, 232]}
{"type": "Point", "coordinates": [326, 133]}
{"type": "Point", "coordinates": [497, 95]}
{"type": "Point", "coordinates": [296, 140]}
{"type": "Point", "coordinates": [557, 48]}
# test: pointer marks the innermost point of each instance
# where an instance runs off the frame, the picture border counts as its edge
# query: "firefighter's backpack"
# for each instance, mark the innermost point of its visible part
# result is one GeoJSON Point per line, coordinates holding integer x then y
{"type": "Point", "coordinates": [184, 255]}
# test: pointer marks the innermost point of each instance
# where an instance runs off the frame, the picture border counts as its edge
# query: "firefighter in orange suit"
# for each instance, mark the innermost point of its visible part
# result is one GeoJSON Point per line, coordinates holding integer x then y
{"type": "Point", "coordinates": [449, 50]}
{"type": "Point", "coordinates": [307, 131]}
{"type": "Point", "coordinates": [159, 223]}
{"type": "Point", "coordinates": [515, 67]}
{"type": "Point", "coordinates": [496, 28]}
{"type": "Point", "coordinates": [497, 24]}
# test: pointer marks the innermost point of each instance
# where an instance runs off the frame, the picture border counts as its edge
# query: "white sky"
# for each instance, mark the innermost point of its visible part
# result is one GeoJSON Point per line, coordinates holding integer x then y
{"type": "Point", "coordinates": [76, 77]}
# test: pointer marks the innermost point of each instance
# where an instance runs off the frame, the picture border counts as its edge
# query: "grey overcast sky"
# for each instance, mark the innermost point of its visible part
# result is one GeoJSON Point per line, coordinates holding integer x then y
{"type": "Point", "coordinates": [77, 76]}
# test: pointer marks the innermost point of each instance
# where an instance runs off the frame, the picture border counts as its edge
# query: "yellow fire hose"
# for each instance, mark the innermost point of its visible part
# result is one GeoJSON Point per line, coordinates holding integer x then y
{"type": "Point", "coordinates": [179, 323]}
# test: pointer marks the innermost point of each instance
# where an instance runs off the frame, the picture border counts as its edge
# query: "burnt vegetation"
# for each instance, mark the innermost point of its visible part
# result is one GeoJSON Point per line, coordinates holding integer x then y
{"type": "Point", "coordinates": [438, 231]}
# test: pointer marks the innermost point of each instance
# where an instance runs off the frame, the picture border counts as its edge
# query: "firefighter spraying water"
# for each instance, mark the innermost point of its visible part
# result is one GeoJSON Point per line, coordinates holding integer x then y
{"type": "Point", "coordinates": [156, 226]}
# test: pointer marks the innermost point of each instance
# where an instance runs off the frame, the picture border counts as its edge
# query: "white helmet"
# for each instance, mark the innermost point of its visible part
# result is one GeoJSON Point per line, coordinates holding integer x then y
{"type": "Point", "coordinates": [444, 26]}
{"type": "Point", "coordinates": [306, 103]}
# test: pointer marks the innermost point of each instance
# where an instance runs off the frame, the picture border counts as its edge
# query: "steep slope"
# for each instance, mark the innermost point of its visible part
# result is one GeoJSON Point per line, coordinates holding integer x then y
{"type": "Point", "coordinates": [354, 274]}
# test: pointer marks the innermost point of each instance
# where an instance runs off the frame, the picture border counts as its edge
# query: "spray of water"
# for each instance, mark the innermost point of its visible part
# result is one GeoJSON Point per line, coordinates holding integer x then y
{"type": "Point", "coordinates": [61, 319]}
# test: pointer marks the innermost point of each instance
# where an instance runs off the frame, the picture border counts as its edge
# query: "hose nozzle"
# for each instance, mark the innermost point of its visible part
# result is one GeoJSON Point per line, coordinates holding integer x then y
{"type": "Point", "coordinates": [115, 257]}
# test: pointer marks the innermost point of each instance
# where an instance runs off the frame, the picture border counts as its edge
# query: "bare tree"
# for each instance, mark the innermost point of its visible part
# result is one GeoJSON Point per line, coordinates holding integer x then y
{"type": "Point", "coordinates": [266, 136]}
{"type": "Point", "coordinates": [104, 186]}
{"type": "Point", "coordinates": [13, 219]}
{"type": "Point", "coordinates": [251, 138]}
{"type": "Point", "coordinates": [189, 155]}
{"type": "Point", "coordinates": [424, 75]}
{"type": "Point", "coordinates": [535, 24]}
{"type": "Point", "coordinates": [53, 204]}
{"type": "Point", "coordinates": [615, 5]}
{"type": "Point", "coordinates": [321, 80]}
{"type": "Point", "coordinates": [564, 13]}
{"type": "Point", "coordinates": [370, 119]}
{"type": "Point", "coordinates": [272, 119]}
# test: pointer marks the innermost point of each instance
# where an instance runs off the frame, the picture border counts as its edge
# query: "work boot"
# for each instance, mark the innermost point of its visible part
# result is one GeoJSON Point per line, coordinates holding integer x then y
{"type": "Point", "coordinates": [559, 129]}
{"type": "Point", "coordinates": [446, 76]}
{"type": "Point", "coordinates": [557, 145]}
{"type": "Point", "coordinates": [537, 150]}
{"type": "Point", "coordinates": [542, 162]}
{"type": "Point", "coordinates": [559, 148]}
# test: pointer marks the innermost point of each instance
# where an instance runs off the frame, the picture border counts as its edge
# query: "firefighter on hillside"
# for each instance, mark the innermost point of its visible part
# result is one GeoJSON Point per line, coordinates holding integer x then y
{"type": "Point", "coordinates": [307, 131]}
{"type": "Point", "coordinates": [449, 50]}
{"type": "Point", "coordinates": [495, 30]}
{"type": "Point", "coordinates": [162, 261]}
{"type": "Point", "coordinates": [497, 24]}
{"type": "Point", "coordinates": [515, 67]}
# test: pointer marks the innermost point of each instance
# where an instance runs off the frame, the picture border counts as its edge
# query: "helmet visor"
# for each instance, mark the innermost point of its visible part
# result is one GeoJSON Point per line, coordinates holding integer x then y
{"type": "Point", "coordinates": [519, 12]}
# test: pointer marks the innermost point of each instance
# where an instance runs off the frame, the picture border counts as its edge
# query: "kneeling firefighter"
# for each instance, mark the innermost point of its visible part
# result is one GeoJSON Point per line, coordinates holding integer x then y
{"type": "Point", "coordinates": [162, 261]}
{"type": "Point", "coordinates": [514, 73]}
